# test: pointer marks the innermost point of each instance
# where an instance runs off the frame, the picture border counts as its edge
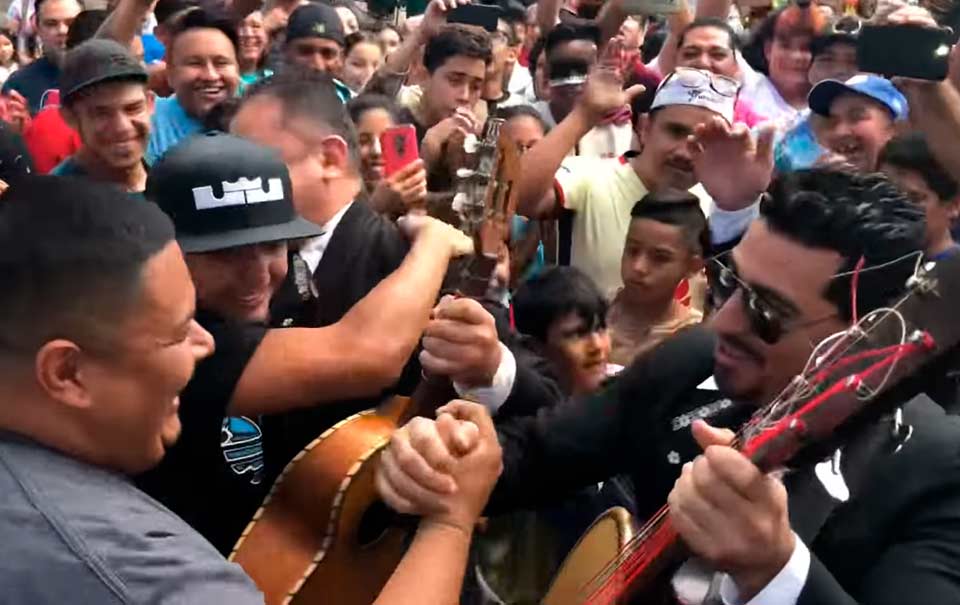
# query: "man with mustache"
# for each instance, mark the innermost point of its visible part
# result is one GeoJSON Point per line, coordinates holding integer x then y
{"type": "Point", "coordinates": [851, 529]}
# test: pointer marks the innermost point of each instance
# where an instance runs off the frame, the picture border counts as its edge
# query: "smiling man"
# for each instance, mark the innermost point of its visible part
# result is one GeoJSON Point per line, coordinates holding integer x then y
{"type": "Point", "coordinates": [106, 100]}
{"type": "Point", "coordinates": [202, 70]}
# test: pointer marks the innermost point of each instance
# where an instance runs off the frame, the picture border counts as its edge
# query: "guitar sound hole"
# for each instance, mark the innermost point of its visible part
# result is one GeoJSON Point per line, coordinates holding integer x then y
{"type": "Point", "coordinates": [374, 524]}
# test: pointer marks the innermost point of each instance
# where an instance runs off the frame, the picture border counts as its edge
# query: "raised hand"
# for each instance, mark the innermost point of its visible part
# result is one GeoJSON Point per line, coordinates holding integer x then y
{"type": "Point", "coordinates": [435, 139]}
{"type": "Point", "coordinates": [603, 92]}
{"type": "Point", "coordinates": [435, 16]}
{"type": "Point", "coordinates": [731, 514]}
{"type": "Point", "coordinates": [733, 167]}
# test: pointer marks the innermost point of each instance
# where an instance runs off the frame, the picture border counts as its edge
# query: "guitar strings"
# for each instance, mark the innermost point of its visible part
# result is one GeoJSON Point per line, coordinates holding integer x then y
{"type": "Point", "coordinates": [800, 388]}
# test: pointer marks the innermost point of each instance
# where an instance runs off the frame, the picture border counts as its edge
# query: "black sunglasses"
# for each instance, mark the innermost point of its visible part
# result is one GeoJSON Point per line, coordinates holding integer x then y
{"type": "Point", "coordinates": [766, 320]}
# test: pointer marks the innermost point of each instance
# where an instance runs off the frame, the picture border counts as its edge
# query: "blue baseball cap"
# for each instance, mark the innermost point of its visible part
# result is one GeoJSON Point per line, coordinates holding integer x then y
{"type": "Point", "coordinates": [879, 89]}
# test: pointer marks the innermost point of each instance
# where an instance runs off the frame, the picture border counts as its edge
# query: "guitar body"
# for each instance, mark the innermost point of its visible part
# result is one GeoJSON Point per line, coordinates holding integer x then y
{"type": "Point", "coordinates": [599, 545]}
{"type": "Point", "coordinates": [322, 530]}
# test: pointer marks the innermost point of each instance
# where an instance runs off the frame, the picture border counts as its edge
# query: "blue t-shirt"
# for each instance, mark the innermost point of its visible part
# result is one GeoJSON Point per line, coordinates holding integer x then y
{"type": "Point", "coordinates": [798, 149]}
{"type": "Point", "coordinates": [170, 125]}
{"type": "Point", "coordinates": [70, 167]}
{"type": "Point", "coordinates": [153, 49]}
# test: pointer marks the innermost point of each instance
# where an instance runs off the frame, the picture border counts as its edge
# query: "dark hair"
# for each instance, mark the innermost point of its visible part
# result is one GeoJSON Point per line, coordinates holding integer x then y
{"type": "Point", "coordinates": [569, 32]}
{"type": "Point", "coordinates": [652, 44]}
{"type": "Point", "coordinates": [72, 256]}
{"type": "Point", "coordinates": [221, 114]}
{"type": "Point", "coordinates": [535, 51]}
{"type": "Point", "coordinates": [38, 3]}
{"type": "Point", "coordinates": [557, 292]}
{"type": "Point", "coordinates": [680, 209]}
{"type": "Point", "coordinates": [910, 152]}
{"type": "Point", "coordinates": [310, 95]}
{"type": "Point", "coordinates": [713, 22]}
{"type": "Point", "coordinates": [360, 37]}
{"type": "Point", "coordinates": [198, 18]}
{"type": "Point", "coordinates": [363, 103]}
{"type": "Point", "coordinates": [515, 111]}
{"type": "Point", "coordinates": [168, 8]}
{"type": "Point", "coordinates": [456, 41]}
{"type": "Point", "coordinates": [753, 49]}
{"type": "Point", "coordinates": [85, 26]}
{"type": "Point", "coordinates": [857, 216]}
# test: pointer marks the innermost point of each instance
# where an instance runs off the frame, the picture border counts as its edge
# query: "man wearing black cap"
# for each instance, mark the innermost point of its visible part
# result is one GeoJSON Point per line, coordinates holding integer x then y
{"type": "Point", "coordinates": [231, 203]}
{"type": "Point", "coordinates": [315, 39]}
{"type": "Point", "coordinates": [105, 98]}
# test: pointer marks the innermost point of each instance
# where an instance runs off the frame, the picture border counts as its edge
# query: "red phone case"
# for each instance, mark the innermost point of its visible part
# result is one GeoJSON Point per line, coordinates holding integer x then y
{"type": "Point", "coordinates": [399, 148]}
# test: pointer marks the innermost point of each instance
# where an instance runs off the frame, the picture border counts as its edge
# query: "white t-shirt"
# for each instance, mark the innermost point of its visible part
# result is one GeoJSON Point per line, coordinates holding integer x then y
{"type": "Point", "coordinates": [766, 100]}
{"type": "Point", "coordinates": [603, 141]}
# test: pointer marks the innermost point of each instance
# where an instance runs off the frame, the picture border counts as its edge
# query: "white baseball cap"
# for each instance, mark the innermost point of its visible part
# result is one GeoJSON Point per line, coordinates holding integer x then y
{"type": "Point", "coordinates": [700, 88]}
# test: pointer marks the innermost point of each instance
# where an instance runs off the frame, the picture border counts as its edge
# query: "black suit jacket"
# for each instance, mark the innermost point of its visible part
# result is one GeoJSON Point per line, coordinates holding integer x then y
{"type": "Point", "coordinates": [895, 541]}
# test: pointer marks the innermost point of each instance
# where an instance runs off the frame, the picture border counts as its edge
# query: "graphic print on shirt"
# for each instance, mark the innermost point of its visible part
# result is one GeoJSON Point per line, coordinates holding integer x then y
{"type": "Point", "coordinates": [242, 443]}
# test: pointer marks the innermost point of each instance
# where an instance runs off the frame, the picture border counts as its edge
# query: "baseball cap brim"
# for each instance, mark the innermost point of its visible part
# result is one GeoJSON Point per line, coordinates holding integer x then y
{"type": "Point", "coordinates": [823, 94]}
{"type": "Point", "coordinates": [133, 75]}
{"type": "Point", "coordinates": [210, 242]}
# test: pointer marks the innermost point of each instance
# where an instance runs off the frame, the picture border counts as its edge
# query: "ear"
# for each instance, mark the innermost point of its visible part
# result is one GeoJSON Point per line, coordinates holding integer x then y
{"type": "Point", "coordinates": [334, 157]}
{"type": "Point", "coordinates": [954, 208]}
{"type": "Point", "coordinates": [513, 54]}
{"type": "Point", "coordinates": [695, 265]}
{"type": "Point", "coordinates": [644, 124]}
{"type": "Point", "coordinates": [151, 101]}
{"type": "Point", "coordinates": [766, 51]}
{"type": "Point", "coordinates": [58, 366]}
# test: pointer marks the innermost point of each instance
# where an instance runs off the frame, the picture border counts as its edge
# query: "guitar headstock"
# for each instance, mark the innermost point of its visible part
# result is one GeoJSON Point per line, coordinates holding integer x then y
{"type": "Point", "coordinates": [861, 373]}
{"type": "Point", "coordinates": [485, 203]}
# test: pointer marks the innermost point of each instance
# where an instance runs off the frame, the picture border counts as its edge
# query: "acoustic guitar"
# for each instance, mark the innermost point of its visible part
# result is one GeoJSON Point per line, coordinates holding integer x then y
{"type": "Point", "coordinates": [851, 379]}
{"type": "Point", "coordinates": [322, 529]}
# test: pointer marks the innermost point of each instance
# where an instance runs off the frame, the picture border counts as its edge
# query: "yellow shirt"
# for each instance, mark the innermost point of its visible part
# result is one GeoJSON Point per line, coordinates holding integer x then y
{"type": "Point", "coordinates": [602, 192]}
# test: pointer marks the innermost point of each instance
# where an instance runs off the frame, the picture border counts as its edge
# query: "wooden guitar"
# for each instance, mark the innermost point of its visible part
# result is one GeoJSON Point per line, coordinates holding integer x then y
{"type": "Point", "coordinates": [852, 378]}
{"type": "Point", "coordinates": [322, 529]}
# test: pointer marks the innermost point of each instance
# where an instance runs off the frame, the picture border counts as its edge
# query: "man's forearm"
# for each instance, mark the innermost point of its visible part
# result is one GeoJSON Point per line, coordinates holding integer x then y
{"type": "Point", "coordinates": [124, 23]}
{"type": "Point", "coordinates": [432, 570]}
{"type": "Point", "coordinates": [548, 12]}
{"type": "Point", "coordinates": [936, 113]}
{"type": "Point", "coordinates": [539, 165]}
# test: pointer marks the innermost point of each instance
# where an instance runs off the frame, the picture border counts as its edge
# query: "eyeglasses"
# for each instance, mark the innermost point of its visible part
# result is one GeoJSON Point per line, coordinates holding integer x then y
{"type": "Point", "coordinates": [766, 320]}
{"type": "Point", "coordinates": [691, 77]}
{"type": "Point", "coordinates": [847, 25]}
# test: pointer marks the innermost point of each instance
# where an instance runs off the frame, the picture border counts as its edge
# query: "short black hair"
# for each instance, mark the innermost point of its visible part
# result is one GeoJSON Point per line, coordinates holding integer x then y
{"type": "Point", "coordinates": [307, 94]}
{"type": "Point", "coordinates": [85, 26]}
{"type": "Point", "coordinates": [38, 3]}
{"type": "Point", "coordinates": [221, 114]}
{"type": "Point", "coordinates": [652, 44]}
{"type": "Point", "coordinates": [568, 32]}
{"type": "Point", "coordinates": [713, 22]}
{"type": "Point", "coordinates": [199, 18]}
{"type": "Point", "coordinates": [455, 40]}
{"type": "Point", "coordinates": [168, 8]}
{"type": "Point", "coordinates": [911, 152]}
{"type": "Point", "coordinates": [515, 111]}
{"type": "Point", "coordinates": [535, 51]}
{"type": "Point", "coordinates": [72, 256]}
{"type": "Point", "coordinates": [545, 298]}
{"type": "Point", "coordinates": [856, 215]}
{"type": "Point", "coordinates": [680, 209]}
{"type": "Point", "coordinates": [359, 37]}
{"type": "Point", "coordinates": [363, 103]}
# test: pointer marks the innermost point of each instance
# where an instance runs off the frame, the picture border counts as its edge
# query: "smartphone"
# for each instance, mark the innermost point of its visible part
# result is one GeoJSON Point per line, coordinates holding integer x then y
{"type": "Point", "coordinates": [399, 147]}
{"type": "Point", "coordinates": [481, 15]}
{"type": "Point", "coordinates": [651, 7]}
{"type": "Point", "coordinates": [911, 51]}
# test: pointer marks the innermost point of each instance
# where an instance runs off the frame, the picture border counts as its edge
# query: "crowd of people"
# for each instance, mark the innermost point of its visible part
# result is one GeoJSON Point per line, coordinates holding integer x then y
{"type": "Point", "coordinates": [209, 258]}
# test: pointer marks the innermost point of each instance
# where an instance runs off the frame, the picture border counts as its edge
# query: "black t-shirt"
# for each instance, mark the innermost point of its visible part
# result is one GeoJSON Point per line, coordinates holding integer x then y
{"type": "Point", "coordinates": [215, 476]}
{"type": "Point", "coordinates": [34, 81]}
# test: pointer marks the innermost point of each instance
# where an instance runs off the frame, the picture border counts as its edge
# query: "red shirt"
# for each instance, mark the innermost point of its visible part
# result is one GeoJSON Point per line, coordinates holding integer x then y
{"type": "Point", "coordinates": [50, 140]}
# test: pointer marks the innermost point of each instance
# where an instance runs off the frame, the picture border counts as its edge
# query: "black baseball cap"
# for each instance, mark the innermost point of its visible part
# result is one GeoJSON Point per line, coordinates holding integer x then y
{"type": "Point", "coordinates": [315, 21]}
{"type": "Point", "coordinates": [223, 191]}
{"type": "Point", "coordinates": [97, 61]}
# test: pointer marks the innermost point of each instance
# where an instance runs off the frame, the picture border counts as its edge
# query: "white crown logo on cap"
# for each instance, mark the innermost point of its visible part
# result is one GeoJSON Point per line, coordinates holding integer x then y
{"type": "Point", "coordinates": [699, 88]}
{"type": "Point", "coordinates": [239, 192]}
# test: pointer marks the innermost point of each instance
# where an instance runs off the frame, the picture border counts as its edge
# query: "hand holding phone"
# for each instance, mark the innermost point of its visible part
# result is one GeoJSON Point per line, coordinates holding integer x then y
{"type": "Point", "coordinates": [399, 148]}
{"type": "Point", "coordinates": [481, 15]}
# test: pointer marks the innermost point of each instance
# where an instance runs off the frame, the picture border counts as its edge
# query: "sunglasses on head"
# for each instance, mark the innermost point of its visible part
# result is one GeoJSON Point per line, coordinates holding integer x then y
{"type": "Point", "coordinates": [767, 321]}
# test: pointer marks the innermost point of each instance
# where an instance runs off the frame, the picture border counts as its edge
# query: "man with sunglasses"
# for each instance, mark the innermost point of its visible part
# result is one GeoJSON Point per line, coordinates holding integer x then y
{"type": "Point", "coordinates": [849, 530]}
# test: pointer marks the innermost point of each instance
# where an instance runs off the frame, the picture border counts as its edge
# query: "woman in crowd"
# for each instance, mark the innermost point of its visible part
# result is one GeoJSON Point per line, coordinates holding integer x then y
{"type": "Point", "coordinates": [364, 54]}
{"type": "Point", "coordinates": [389, 37]}
{"type": "Point", "coordinates": [254, 42]}
{"type": "Point", "coordinates": [8, 54]}
{"type": "Point", "coordinates": [405, 189]}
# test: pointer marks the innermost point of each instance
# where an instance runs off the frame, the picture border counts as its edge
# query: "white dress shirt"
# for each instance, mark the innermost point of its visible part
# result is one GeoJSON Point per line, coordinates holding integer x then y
{"type": "Point", "coordinates": [783, 589]}
{"type": "Point", "coordinates": [312, 250]}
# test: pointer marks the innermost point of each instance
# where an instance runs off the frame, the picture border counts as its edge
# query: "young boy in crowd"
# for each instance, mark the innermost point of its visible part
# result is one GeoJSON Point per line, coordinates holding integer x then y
{"type": "Point", "coordinates": [907, 160]}
{"type": "Point", "coordinates": [665, 245]}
